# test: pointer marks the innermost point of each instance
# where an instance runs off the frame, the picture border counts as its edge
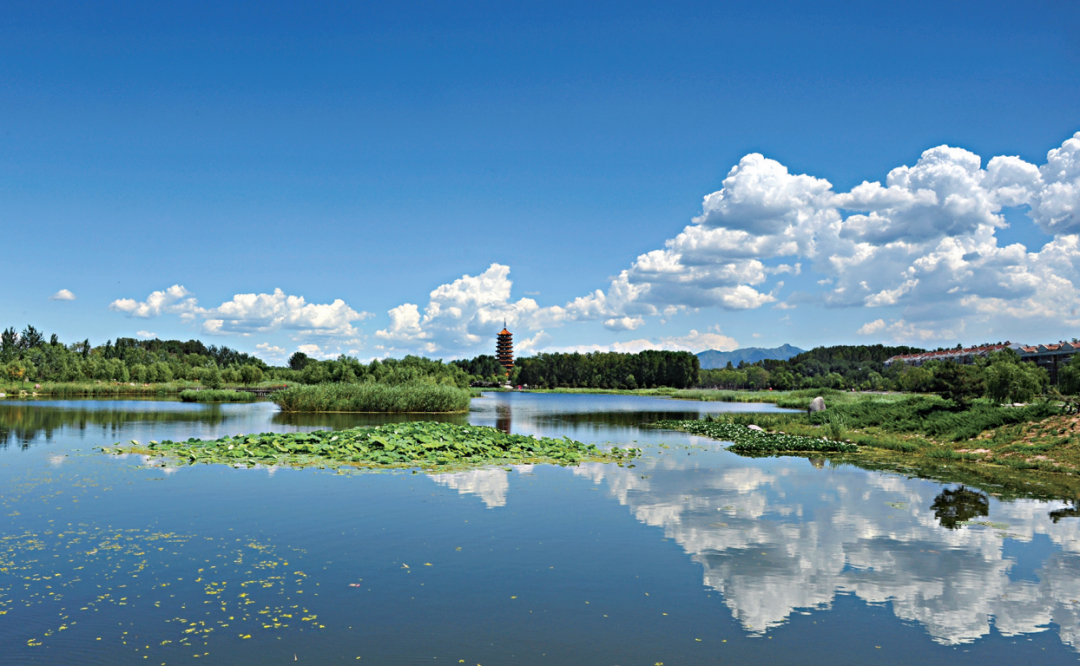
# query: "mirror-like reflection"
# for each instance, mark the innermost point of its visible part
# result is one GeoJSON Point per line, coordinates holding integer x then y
{"type": "Point", "coordinates": [777, 537]}
{"type": "Point", "coordinates": [783, 546]}
{"type": "Point", "coordinates": [22, 423]}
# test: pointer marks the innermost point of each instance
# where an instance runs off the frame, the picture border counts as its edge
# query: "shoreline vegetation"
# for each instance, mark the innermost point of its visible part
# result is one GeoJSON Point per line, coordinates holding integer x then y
{"type": "Point", "coordinates": [212, 395]}
{"type": "Point", "coordinates": [409, 398]}
{"type": "Point", "coordinates": [426, 445]}
{"type": "Point", "coordinates": [903, 431]}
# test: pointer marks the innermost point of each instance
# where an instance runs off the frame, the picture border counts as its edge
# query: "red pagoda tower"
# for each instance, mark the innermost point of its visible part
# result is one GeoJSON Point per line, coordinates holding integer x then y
{"type": "Point", "coordinates": [504, 349]}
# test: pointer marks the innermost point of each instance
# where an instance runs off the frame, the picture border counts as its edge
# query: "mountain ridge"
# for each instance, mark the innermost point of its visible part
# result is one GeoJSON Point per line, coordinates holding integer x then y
{"type": "Point", "coordinates": [712, 359]}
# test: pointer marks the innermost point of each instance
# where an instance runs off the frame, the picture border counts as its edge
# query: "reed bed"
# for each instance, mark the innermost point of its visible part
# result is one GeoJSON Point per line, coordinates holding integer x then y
{"type": "Point", "coordinates": [92, 389]}
{"type": "Point", "coordinates": [212, 395]}
{"type": "Point", "coordinates": [374, 398]}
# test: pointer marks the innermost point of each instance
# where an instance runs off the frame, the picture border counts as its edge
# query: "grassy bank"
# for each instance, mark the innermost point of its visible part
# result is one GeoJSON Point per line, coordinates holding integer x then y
{"type": "Point", "coordinates": [103, 389]}
{"type": "Point", "coordinates": [787, 399]}
{"type": "Point", "coordinates": [376, 398]}
{"type": "Point", "coordinates": [914, 430]}
{"type": "Point", "coordinates": [91, 389]}
{"type": "Point", "coordinates": [425, 444]}
{"type": "Point", "coordinates": [212, 395]}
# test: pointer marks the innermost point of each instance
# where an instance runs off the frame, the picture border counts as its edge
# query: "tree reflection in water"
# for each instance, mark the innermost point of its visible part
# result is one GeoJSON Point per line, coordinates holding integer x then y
{"type": "Point", "coordinates": [953, 507]}
{"type": "Point", "coordinates": [22, 423]}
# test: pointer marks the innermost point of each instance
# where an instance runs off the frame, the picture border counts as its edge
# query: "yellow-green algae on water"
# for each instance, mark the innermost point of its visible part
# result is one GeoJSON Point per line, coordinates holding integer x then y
{"type": "Point", "coordinates": [425, 444]}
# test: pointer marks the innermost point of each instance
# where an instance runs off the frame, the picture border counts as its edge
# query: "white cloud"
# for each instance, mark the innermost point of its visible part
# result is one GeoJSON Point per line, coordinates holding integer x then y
{"type": "Point", "coordinates": [174, 300]}
{"type": "Point", "coordinates": [871, 327]}
{"type": "Point", "coordinates": [924, 241]}
{"type": "Point", "coordinates": [62, 295]}
{"type": "Point", "coordinates": [146, 334]}
{"type": "Point", "coordinates": [267, 351]}
{"type": "Point", "coordinates": [468, 312]}
{"type": "Point", "coordinates": [624, 323]}
{"type": "Point", "coordinates": [246, 314]}
{"type": "Point", "coordinates": [314, 351]}
{"type": "Point", "coordinates": [694, 341]}
{"type": "Point", "coordinates": [921, 245]}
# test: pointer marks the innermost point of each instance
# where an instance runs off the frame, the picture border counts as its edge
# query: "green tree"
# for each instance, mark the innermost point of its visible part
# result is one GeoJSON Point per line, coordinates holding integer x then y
{"type": "Point", "coordinates": [9, 344]}
{"type": "Point", "coordinates": [959, 383]}
{"type": "Point", "coordinates": [251, 374]}
{"type": "Point", "coordinates": [1069, 376]}
{"type": "Point", "coordinates": [299, 361]}
{"type": "Point", "coordinates": [1008, 379]}
{"type": "Point", "coordinates": [30, 338]}
{"type": "Point", "coordinates": [757, 377]}
{"type": "Point", "coordinates": [212, 379]}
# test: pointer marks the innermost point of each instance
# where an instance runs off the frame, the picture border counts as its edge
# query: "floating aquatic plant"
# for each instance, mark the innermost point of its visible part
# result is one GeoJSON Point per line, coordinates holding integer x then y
{"type": "Point", "coordinates": [398, 445]}
{"type": "Point", "coordinates": [749, 441]}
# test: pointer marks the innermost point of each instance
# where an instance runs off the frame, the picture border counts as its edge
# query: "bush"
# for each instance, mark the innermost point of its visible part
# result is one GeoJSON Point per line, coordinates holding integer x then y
{"type": "Point", "coordinates": [212, 378]}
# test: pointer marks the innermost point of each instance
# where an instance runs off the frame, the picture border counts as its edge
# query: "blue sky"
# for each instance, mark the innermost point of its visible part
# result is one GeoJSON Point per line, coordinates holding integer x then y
{"type": "Point", "coordinates": [413, 171]}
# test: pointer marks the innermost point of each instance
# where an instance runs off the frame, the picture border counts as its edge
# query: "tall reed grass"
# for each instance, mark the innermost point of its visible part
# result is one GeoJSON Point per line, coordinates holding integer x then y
{"type": "Point", "coordinates": [90, 389]}
{"type": "Point", "coordinates": [380, 398]}
{"type": "Point", "coordinates": [212, 395]}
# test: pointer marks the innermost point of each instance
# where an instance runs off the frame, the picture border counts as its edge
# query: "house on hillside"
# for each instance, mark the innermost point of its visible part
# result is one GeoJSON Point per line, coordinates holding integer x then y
{"type": "Point", "coordinates": [1049, 356]}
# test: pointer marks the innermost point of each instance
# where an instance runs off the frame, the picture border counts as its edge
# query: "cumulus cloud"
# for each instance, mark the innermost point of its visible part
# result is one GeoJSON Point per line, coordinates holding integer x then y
{"type": "Point", "coordinates": [624, 323]}
{"type": "Point", "coordinates": [174, 300]}
{"type": "Point", "coordinates": [246, 314]}
{"type": "Point", "coordinates": [470, 310]}
{"type": "Point", "coordinates": [62, 295]}
{"type": "Point", "coordinates": [871, 327]}
{"type": "Point", "coordinates": [146, 335]}
{"type": "Point", "coordinates": [921, 246]}
{"type": "Point", "coordinates": [694, 341]}
{"type": "Point", "coordinates": [315, 351]}
{"type": "Point", "coordinates": [924, 242]}
{"type": "Point", "coordinates": [268, 351]}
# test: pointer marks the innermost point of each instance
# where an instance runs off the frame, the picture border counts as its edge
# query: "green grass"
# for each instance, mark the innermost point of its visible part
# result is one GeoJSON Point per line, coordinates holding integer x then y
{"type": "Point", "coordinates": [924, 431]}
{"type": "Point", "coordinates": [91, 388]}
{"type": "Point", "coordinates": [931, 416]}
{"type": "Point", "coordinates": [425, 444]}
{"type": "Point", "coordinates": [212, 395]}
{"type": "Point", "coordinates": [374, 398]}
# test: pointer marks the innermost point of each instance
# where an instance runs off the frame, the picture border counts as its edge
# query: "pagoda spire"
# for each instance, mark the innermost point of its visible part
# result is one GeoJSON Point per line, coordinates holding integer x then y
{"type": "Point", "coordinates": [504, 349]}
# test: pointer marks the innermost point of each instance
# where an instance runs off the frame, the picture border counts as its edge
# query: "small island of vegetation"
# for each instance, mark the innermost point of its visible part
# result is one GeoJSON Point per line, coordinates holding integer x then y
{"type": "Point", "coordinates": [423, 444]}
{"type": "Point", "coordinates": [212, 395]}
{"type": "Point", "coordinates": [412, 397]}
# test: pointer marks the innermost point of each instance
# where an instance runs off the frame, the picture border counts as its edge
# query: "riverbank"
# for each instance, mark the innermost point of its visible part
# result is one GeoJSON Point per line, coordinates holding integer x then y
{"type": "Point", "coordinates": [106, 389]}
{"type": "Point", "coordinates": [914, 430]}
{"type": "Point", "coordinates": [799, 399]}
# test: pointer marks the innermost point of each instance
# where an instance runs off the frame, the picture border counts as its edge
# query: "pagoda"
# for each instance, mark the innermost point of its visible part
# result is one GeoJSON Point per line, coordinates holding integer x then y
{"type": "Point", "coordinates": [504, 349]}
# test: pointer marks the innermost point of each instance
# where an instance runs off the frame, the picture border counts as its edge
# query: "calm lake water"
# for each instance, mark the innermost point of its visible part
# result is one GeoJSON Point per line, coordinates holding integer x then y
{"type": "Point", "coordinates": [692, 556]}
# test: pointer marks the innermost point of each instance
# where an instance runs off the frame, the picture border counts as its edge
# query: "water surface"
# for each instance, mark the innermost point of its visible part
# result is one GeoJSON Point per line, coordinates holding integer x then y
{"type": "Point", "coordinates": [692, 556]}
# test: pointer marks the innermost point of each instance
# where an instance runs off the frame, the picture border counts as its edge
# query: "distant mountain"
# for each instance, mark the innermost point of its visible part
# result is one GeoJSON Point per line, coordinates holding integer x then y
{"type": "Point", "coordinates": [717, 359]}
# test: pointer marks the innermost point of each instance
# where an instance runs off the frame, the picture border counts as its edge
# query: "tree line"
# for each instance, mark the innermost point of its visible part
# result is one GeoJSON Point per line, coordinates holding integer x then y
{"type": "Point", "coordinates": [30, 355]}
{"type": "Point", "coordinates": [609, 370]}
